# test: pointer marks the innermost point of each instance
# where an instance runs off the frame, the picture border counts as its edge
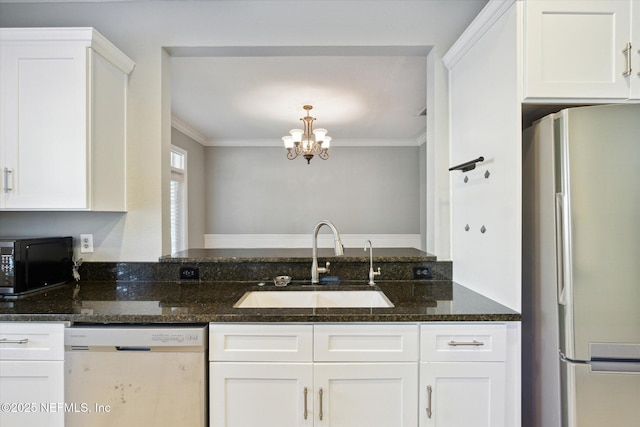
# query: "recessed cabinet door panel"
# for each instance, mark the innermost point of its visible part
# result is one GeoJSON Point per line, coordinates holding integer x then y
{"type": "Point", "coordinates": [261, 394]}
{"type": "Point", "coordinates": [574, 49]}
{"type": "Point", "coordinates": [462, 394]}
{"type": "Point", "coordinates": [45, 125]}
{"type": "Point", "coordinates": [365, 394]}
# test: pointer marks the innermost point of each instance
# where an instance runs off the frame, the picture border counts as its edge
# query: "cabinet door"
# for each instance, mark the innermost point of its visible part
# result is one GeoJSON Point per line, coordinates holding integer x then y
{"type": "Point", "coordinates": [365, 394]}
{"type": "Point", "coordinates": [32, 393]}
{"type": "Point", "coordinates": [574, 49]}
{"type": "Point", "coordinates": [261, 394]}
{"type": "Point", "coordinates": [43, 152]}
{"type": "Point", "coordinates": [462, 394]}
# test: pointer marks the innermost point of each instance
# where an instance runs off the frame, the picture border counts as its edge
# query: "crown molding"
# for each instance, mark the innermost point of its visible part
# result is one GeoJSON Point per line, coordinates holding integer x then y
{"type": "Point", "coordinates": [485, 19]}
{"type": "Point", "coordinates": [400, 142]}
{"type": "Point", "coordinates": [87, 36]}
{"type": "Point", "coordinates": [181, 126]}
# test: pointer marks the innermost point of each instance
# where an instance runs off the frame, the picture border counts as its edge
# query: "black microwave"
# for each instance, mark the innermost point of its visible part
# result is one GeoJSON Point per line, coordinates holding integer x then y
{"type": "Point", "coordinates": [28, 265]}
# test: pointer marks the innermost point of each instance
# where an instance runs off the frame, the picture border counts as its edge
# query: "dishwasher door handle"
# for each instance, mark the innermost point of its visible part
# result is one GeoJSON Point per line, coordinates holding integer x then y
{"type": "Point", "coordinates": [132, 348]}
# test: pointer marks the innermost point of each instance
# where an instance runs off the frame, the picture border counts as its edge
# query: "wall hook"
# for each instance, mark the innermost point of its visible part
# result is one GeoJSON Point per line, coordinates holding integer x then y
{"type": "Point", "coordinates": [467, 166]}
{"type": "Point", "coordinates": [483, 229]}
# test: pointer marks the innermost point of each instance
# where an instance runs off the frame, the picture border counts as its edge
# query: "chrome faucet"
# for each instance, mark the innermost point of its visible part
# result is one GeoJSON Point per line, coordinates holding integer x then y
{"type": "Point", "coordinates": [372, 273]}
{"type": "Point", "coordinates": [338, 250]}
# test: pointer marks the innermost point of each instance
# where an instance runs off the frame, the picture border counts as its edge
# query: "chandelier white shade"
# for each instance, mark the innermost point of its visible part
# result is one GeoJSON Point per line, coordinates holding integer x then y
{"type": "Point", "coordinates": [307, 141]}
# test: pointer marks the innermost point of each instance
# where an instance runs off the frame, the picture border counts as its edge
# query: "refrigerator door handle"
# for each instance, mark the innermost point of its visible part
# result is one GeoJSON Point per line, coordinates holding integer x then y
{"type": "Point", "coordinates": [569, 360]}
{"type": "Point", "coordinates": [560, 250]}
{"type": "Point", "coordinates": [606, 365]}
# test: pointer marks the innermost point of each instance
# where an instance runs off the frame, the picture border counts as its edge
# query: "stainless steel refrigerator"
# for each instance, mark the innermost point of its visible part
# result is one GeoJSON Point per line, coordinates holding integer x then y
{"type": "Point", "coordinates": [581, 268]}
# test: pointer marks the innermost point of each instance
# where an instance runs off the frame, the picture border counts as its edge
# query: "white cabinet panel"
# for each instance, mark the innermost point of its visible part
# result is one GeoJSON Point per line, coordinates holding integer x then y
{"type": "Point", "coordinates": [463, 342]}
{"type": "Point", "coordinates": [32, 393]}
{"type": "Point", "coordinates": [366, 394]}
{"type": "Point", "coordinates": [31, 341]}
{"type": "Point", "coordinates": [44, 114]}
{"type": "Point", "coordinates": [485, 119]}
{"type": "Point", "coordinates": [462, 394]}
{"type": "Point", "coordinates": [261, 343]}
{"type": "Point", "coordinates": [366, 343]}
{"type": "Point", "coordinates": [574, 49]}
{"type": "Point", "coordinates": [261, 394]}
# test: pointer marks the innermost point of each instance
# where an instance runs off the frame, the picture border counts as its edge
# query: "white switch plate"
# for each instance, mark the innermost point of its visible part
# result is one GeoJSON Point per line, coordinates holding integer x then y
{"type": "Point", "coordinates": [86, 243]}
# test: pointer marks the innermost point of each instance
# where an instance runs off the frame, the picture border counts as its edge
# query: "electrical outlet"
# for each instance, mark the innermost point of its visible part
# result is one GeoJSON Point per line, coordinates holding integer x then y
{"type": "Point", "coordinates": [189, 273]}
{"type": "Point", "coordinates": [86, 243]}
{"type": "Point", "coordinates": [421, 273]}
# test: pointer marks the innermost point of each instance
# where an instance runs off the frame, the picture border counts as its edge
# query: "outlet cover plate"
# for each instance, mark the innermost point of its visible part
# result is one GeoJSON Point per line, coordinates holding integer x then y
{"type": "Point", "coordinates": [421, 273]}
{"type": "Point", "coordinates": [189, 273]}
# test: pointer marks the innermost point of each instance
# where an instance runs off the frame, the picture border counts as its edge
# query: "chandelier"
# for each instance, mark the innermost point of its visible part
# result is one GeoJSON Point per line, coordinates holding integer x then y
{"type": "Point", "coordinates": [307, 142]}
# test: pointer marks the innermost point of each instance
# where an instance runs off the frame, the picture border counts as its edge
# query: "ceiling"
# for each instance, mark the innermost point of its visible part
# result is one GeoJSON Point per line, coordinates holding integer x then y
{"type": "Point", "coordinates": [254, 96]}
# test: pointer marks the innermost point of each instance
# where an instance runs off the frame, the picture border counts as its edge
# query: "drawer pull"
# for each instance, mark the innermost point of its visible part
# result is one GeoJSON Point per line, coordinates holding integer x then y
{"type": "Point", "coordinates": [8, 341]}
{"type": "Point", "coordinates": [473, 343]}
{"type": "Point", "coordinates": [8, 172]}
{"type": "Point", "coordinates": [429, 390]}
{"type": "Point", "coordinates": [305, 403]}
{"type": "Point", "coordinates": [627, 54]}
{"type": "Point", "coordinates": [320, 412]}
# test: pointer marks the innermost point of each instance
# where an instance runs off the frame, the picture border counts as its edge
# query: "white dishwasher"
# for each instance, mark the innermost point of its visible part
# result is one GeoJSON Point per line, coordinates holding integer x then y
{"type": "Point", "coordinates": [135, 375]}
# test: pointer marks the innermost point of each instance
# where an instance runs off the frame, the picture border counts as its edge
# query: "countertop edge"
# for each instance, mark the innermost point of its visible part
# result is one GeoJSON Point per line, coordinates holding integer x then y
{"type": "Point", "coordinates": [262, 318]}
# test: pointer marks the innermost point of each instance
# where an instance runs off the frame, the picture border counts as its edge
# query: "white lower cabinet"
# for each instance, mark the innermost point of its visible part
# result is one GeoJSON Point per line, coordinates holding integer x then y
{"type": "Point", "coordinates": [365, 394]}
{"type": "Point", "coordinates": [462, 375]}
{"type": "Point", "coordinates": [32, 374]}
{"type": "Point", "coordinates": [374, 375]}
{"type": "Point", "coordinates": [261, 394]}
{"type": "Point", "coordinates": [360, 375]}
{"type": "Point", "coordinates": [468, 394]}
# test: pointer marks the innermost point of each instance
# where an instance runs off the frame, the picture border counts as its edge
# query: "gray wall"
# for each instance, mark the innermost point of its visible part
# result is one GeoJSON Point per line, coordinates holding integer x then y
{"type": "Point", "coordinates": [195, 186]}
{"type": "Point", "coordinates": [373, 190]}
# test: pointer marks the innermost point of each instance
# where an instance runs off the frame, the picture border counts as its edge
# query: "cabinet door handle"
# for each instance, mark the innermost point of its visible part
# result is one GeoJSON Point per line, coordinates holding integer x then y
{"type": "Point", "coordinates": [473, 343]}
{"type": "Point", "coordinates": [429, 391]}
{"type": "Point", "coordinates": [8, 173]}
{"type": "Point", "coordinates": [18, 341]}
{"type": "Point", "coordinates": [627, 53]}
{"type": "Point", "coordinates": [305, 403]}
{"type": "Point", "coordinates": [320, 411]}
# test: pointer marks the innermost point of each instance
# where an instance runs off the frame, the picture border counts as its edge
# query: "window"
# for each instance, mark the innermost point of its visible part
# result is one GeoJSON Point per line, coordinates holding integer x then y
{"type": "Point", "coordinates": [178, 196]}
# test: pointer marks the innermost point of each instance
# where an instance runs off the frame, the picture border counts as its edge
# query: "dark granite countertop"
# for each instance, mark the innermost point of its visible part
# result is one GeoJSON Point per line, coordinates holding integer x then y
{"type": "Point", "coordinates": [200, 302]}
{"type": "Point", "coordinates": [296, 255]}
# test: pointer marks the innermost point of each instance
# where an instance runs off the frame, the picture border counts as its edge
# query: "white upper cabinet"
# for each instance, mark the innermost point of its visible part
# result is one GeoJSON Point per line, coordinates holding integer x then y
{"type": "Point", "coordinates": [63, 96]}
{"type": "Point", "coordinates": [580, 49]}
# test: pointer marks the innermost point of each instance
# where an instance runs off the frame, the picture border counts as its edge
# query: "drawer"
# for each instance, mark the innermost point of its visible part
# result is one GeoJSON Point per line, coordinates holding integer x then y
{"type": "Point", "coordinates": [31, 341]}
{"type": "Point", "coordinates": [467, 342]}
{"type": "Point", "coordinates": [260, 342]}
{"type": "Point", "coordinates": [366, 343]}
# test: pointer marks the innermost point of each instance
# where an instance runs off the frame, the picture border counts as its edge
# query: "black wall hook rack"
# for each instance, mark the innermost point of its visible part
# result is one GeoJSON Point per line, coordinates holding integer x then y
{"type": "Point", "coordinates": [466, 167]}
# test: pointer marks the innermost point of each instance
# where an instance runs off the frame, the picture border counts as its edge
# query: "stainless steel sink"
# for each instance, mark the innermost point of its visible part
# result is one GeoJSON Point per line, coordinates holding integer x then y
{"type": "Point", "coordinates": [311, 299]}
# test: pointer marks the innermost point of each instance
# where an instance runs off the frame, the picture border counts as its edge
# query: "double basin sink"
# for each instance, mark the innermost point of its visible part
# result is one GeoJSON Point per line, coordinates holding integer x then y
{"type": "Point", "coordinates": [313, 299]}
